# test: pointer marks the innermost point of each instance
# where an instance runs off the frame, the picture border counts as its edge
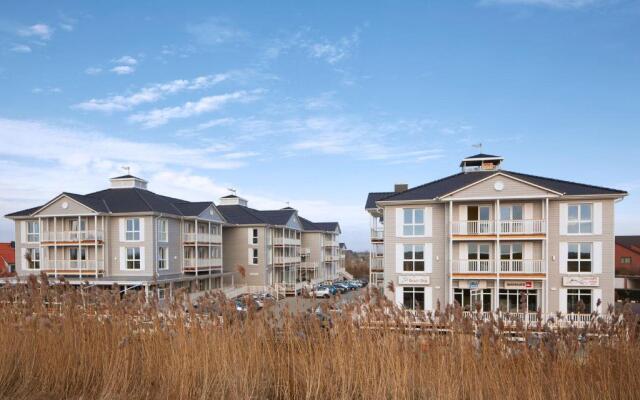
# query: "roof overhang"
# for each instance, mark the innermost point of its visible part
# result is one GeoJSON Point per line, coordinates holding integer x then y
{"type": "Point", "coordinates": [60, 196]}
{"type": "Point", "coordinates": [500, 173]}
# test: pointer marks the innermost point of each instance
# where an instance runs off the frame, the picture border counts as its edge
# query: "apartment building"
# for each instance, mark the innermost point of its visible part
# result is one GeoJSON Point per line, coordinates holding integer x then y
{"type": "Point", "coordinates": [627, 268]}
{"type": "Point", "coordinates": [320, 251]}
{"type": "Point", "coordinates": [125, 235]}
{"type": "Point", "coordinates": [496, 239]}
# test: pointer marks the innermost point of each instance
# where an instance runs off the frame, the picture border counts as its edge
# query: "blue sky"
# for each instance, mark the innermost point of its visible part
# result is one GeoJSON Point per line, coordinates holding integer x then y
{"type": "Point", "coordinates": [314, 104]}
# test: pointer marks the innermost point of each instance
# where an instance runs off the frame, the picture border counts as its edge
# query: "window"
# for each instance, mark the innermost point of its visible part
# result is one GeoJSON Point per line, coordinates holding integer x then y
{"type": "Point", "coordinates": [413, 298]}
{"type": "Point", "coordinates": [254, 236]}
{"type": "Point", "coordinates": [216, 251]}
{"type": "Point", "coordinates": [469, 298]}
{"type": "Point", "coordinates": [413, 222]}
{"type": "Point", "coordinates": [161, 293]}
{"type": "Point", "coordinates": [163, 230]}
{"type": "Point", "coordinates": [133, 229]}
{"type": "Point", "coordinates": [73, 254]}
{"type": "Point", "coordinates": [133, 258]}
{"type": "Point", "coordinates": [33, 231]}
{"type": "Point", "coordinates": [254, 258]}
{"type": "Point", "coordinates": [163, 263]}
{"type": "Point", "coordinates": [579, 257]}
{"type": "Point", "coordinates": [579, 301]}
{"type": "Point", "coordinates": [580, 218]}
{"type": "Point", "coordinates": [478, 256]}
{"type": "Point", "coordinates": [625, 260]}
{"type": "Point", "coordinates": [413, 258]}
{"type": "Point", "coordinates": [518, 301]}
{"type": "Point", "coordinates": [32, 256]}
{"type": "Point", "coordinates": [78, 226]}
{"type": "Point", "coordinates": [512, 212]}
{"type": "Point", "coordinates": [511, 251]}
{"type": "Point", "coordinates": [215, 229]}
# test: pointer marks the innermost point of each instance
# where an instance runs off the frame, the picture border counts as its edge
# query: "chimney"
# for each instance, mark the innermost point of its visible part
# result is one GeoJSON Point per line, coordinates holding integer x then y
{"type": "Point", "coordinates": [13, 245]}
{"type": "Point", "coordinates": [400, 187]}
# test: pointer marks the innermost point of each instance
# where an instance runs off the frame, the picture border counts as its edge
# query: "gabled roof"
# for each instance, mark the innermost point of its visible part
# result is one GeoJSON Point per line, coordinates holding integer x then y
{"type": "Point", "coordinates": [308, 225]}
{"type": "Point", "coordinates": [128, 200]}
{"type": "Point", "coordinates": [441, 187]}
{"type": "Point", "coordinates": [7, 253]}
{"type": "Point", "coordinates": [277, 217]}
{"type": "Point", "coordinates": [328, 226]}
{"type": "Point", "coordinates": [629, 242]}
{"type": "Point", "coordinates": [241, 215]}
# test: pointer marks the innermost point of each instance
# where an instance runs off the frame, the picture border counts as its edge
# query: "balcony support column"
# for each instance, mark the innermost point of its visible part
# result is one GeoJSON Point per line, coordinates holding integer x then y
{"type": "Point", "coordinates": [450, 261]}
{"type": "Point", "coordinates": [55, 247]}
{"type": "Point", "coordinates": [496, 257]}
{"type": "Point", "coordinates": [79, 257]}
{"type": "Point", "coordinates": [95, 241]}
{"type": "Point", "coordinates": [196, 247]}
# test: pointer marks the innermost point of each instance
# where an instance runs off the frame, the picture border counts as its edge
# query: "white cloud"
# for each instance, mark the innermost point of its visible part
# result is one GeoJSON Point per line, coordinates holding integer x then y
{"type": "Point", "coordinates": [161, 116]}
{"type": "Point", "coordinates": [216, 31]}
{"type": "Point", "coordinates": [38, 90]}
{"type": "Point", "coordinates": [123, 70]}
{"type": "Point", "coordinates": [93, 70]}
{"type": "Point", "coordinates": [41, 31]}
{"type": "Point", "coordinates": [333, 52]}
{"type": "Point", "coordinates": [125, 60]}
{"type": "Point", "coordinates": [66, 27]}
{"type": "Point", "coordinates": [565, 4]}
{"type": "Point", "coordinates": [151, 93]}
{"type": "Point", "coordinates": [21, 48]}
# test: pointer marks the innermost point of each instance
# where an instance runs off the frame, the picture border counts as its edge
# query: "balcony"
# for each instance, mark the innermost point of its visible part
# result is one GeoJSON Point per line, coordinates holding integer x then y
{"type": "Point", "coordinates": [309, 266]}
{"type": "Point", "coordinates": [522, 266]}
{"type": "Point", "coordinates": [286, 259]}
{"type": "Point", "coordinates": [73, 266]}
{"type": "Point", "coordinates": [305, 251]}
{"type": "Point", "coordinates": [377, 234]}
{"type": "Point", "coordinates": [505, 227]}
{"type": "Point", "coordinates": [330, 243]}
{"type": "Point", "coordinates": [191, 237]}
{"type": "Point", "coordinates": [72, 236]}
{"type": "Point", "coordinates": [285, 241]}
{"type": "Point", "coordinates": [202, 263]}
{"type": "Point", "coordinates": [474, 266]}
{"type": "Point", "coordinates": [376, 264]}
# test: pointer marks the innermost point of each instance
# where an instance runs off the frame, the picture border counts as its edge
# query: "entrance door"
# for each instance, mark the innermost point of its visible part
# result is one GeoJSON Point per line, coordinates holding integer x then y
{"type": "Point", "coordinates": [480, 216]}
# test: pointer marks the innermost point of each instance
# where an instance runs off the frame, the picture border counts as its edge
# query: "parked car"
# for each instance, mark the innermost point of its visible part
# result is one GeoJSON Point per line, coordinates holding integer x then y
{"type": "Point", "coordinates": [341, 286]}
{"type": "Point", "coordinates": [321, 291]}
{"type": "Point", "coordinates": [356, 282]}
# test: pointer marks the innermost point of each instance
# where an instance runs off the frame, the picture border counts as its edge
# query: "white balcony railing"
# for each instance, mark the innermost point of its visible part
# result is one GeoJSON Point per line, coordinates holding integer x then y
{"type": "Point", "coordinates": [284, 241]}
{"type": "Point", "coordinates": [74, 265]}
{"type": "Point", "coordinates": [524, 226]}
{"type": "Point", "coordinates": [522, 266]}
{"type": "Point", "coordinates": [377, 234]}
{"type": "Point", "coordinates": [202, 237]}
{"type": "Point", "coordinates": [309, 265]}
{"type": "Point", "coordinates": [286, 260]}
{"type": "Point", "coordinates": [491, 227]}
{"type": "Point", "coordinates": [72, 236]}
{"type": "Point", "coordinates": [474, 266]}
{"type": "Point", "coordinates": [202, 262]}
{"type": "Point", "coordinates": [377, 264]}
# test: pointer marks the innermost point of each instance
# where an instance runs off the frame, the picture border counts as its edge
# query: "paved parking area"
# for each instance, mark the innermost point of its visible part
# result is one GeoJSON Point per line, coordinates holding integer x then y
{"type": "Point", "coordinates": [301, 304]}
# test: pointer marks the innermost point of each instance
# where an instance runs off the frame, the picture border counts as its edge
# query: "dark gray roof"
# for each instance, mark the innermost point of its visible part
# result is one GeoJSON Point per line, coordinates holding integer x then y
{"type": "Point", "coordinates": [630, 242]}
{"type": "Point", "coordinates": [242, 215]}
{"type": "Point", "coordinates": [327, 226]}
{"type": "Point", "coordinates": [441, 187]}
{"type": "Point", "coordinates": [481, 155]}
{"type": "Point", "coordinates": [308, 225]}
{"type": "Point", "coordinates": [127, 177]}
{"type": "Point", "coordinates": [130, 200]}
{"type": "Point", "coordinates": [375, 196]}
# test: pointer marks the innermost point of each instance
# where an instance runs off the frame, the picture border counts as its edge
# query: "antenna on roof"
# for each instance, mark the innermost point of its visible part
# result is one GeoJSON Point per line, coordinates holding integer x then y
{"type": "Point", "coordinates": [477, 146]}
{"type": "Point", "coordinates": [232, 190]}
{"type": "Point", "coordinates": [287, 203]}
{"type": "Point", "coordinates": [127, 168]}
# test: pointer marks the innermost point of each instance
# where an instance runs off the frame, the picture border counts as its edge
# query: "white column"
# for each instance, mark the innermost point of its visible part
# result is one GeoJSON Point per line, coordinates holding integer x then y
{"type": "Point", "coordinates": [496, 256]}
{"type": "Point", "coordinates": [79, 258]}
{"type": "Point", "coordinates": [196, 247]}
{"type": "Point", "coordinates": [55, 247]}
{"type": "Point", "coordinates": [450, 261]}
{"type": "Point", "coordinates": [95, 238]}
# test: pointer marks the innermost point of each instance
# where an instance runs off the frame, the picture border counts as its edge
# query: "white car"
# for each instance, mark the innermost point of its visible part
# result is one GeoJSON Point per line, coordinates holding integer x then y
{"type": "Point", "coordinates": [324, 292]}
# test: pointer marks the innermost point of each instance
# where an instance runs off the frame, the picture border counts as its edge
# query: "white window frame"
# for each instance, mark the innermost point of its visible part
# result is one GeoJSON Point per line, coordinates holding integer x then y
{"type": "Point", "coordinates": [163, 258]}
{"type": "Point", "coordinates": [413, 290]}
{"type": "Point", "coordinates": [82, 254]}
{"type": "Point", "coordinates": [510, 207]}
{"type": "Point", "coordinates": [133, 259]}
{"type": "Point", "coordinates": [580, 293]}
{"type": "Point", "coordinates": [134, 233]}
{"type": "Point", "coordinates": [254, 257]}
{"type": "Point", "coordinates": [411, 225]}
{"type": "Point", "coordinates": [580, 260]}
{"type": "Point", "coordinates": [163, 230]}
{"type": "Point", "coordinates": [33, 236]}
{"type": "Point", "coordinates": [413, 249]}
{"type": "Point", "coordinates": [254, 236]}
{"type": "Point", "coordinates": [579, 220]}
{"type": "Point", "coordinates": [35, 261]}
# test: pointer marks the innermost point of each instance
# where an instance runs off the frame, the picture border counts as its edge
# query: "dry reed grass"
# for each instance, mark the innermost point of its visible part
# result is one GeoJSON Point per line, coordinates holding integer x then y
{"type": "Point", "coordinates": [61, 343]}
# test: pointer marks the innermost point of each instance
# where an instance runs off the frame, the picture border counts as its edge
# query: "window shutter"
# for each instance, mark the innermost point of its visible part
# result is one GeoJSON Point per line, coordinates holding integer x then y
{"type": "Point", "coordinates": [21, 262]}
{"type": "Point", "coordinates": [23, 231]}
{"type": "Point", "coordinates": [399, 257]}
{"type": "Point", "coordinates": [123, 223]}
{"type": "Point", "coordinates": [123, 257]}
{"type": "Point", "coordinates": [250, 256]}
{"type": "Point", "coordinates": [428, 221]}
{"type": "Point", "coordinates": [597, 218]}
{"type": "Point", "coordinates": [399, 222]}
{"type": "Point", "coordinates": [562, 257]}
{"type": "Point", "coordinates": [562, 301]}
{"type": "Point", "coordinates": [249, 236]}
{"type": "Point", "coordinates": [462, 217]}
{"type": "Point", "coordinates": [463, 251]}
{"type": "Point", "coordinates": [141, 229]}
{"type": "Point", "coordinates": [564, 218]}
{"type": "Point", "coordinates": [428, 299]}
{"type": "Point", "coordinates": [428, 258]}
{"type": "Point", "coordinates": [595, 295]}
{"type": "Point", "coordinates": [528, 251]}
{"type": "Point", "coordinates": [399, 296]}
{"type": "Point", "coordinates": [143, 266]}
{"type": "Point", "coordinates": [528, 211]}
{"type": "Point", "coordinates": [596, 258]}
{"type": "Point", "coordinates": [167, 257]}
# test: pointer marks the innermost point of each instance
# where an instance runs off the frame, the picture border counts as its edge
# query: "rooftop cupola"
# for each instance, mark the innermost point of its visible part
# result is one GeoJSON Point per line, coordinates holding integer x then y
{"type": "Point", "coordinates": [481, 162]}
{"type": "Point", "coordinates": [233, 200]}
{"type": "Point", "coordinates": [128, 182]}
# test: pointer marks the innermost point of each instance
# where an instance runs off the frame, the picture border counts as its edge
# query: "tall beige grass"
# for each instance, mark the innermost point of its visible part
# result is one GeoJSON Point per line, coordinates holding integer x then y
{"type": "Point", "coordinates": [61, 343]}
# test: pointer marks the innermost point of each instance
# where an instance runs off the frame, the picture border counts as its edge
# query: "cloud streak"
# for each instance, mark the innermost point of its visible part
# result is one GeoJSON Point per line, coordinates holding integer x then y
{"type": "Point", "coordinates": [560, 4]}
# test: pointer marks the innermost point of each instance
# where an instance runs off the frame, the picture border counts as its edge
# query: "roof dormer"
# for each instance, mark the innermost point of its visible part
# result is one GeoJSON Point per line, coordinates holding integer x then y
{"type": "Point", "coordinates": [233, 200]}
{"type": "Point", "coordinates": [481, 162]}
{"type": "Point", "coordinates": [128, 182]}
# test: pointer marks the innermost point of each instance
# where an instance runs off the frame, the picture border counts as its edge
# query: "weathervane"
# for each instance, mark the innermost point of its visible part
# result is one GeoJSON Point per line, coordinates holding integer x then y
{"type": "Point", "coordinates": [127, 168]}
{"type": "Point", "coordinates": [477, 146]}
{"type": "Point", "coordinates": [232, 190]}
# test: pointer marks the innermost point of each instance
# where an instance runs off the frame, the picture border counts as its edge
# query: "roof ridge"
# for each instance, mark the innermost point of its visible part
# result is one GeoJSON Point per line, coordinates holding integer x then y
{"type": "Point", "coordinates": [137, 191]}
{"type": "Point", "coordinates": [421, 186]}
{"type": "Point", "coordinates": [565, 181]}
